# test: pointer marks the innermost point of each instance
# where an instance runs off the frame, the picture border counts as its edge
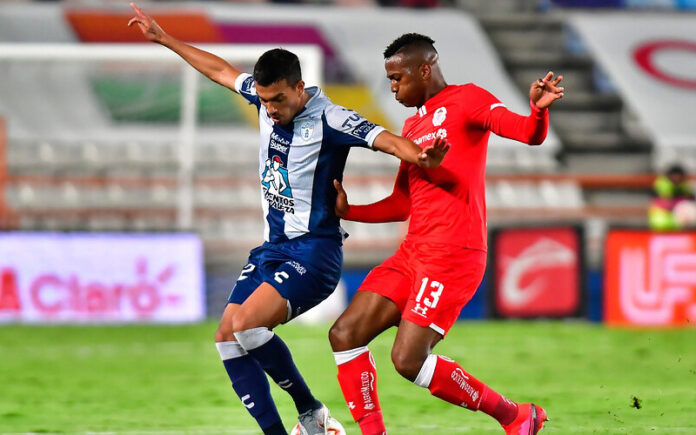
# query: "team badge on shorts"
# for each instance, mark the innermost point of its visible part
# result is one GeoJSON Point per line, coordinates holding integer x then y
{"type": "Point", "coordinates": [439, 116]}
{"type": "Point", "coordinates": [306, 130]}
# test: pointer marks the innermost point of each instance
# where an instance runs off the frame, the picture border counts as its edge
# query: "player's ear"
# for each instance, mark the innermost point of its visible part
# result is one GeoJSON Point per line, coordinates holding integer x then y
{"type": "Point", "coordinates": [299, 87]}
{"type": "Point", "coordinates": [425, 71]}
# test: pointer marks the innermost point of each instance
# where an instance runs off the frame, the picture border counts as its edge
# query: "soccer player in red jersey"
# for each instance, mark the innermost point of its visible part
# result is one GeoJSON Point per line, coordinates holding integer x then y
{"type": "Point", "coordinates": [436, 270]}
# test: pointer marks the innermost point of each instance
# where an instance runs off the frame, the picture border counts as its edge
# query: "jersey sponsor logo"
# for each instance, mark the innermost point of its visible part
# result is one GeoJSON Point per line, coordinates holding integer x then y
{"type": "Point", "coordinates": [297, 266]}
{"type": "Point", "coordinates": [276, 186]}
{"type": "Point", "coordinates": [248, 86]}
{"type": "Point", "coordinates": [307, 130]}
{"type": "Point", "coordinates": [367, 385]}
{"type": "Point", "coordinates": [460, 379]}
{"type": "Point", "coordinates": [363, 129]}
{"type": "Point", "coordinates": [439, 116]}
{"type": "Point", "coordinates": [442, 133]}
{"type": "Point", "coordinates": [279, 143]}
{"type": "Point", "coordinates": [420, 310]}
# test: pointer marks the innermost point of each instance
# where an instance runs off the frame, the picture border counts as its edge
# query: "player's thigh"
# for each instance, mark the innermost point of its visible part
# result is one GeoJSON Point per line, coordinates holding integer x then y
{"type": "Point", "coordinates": [225, 330]}
{"type": "Point", "coordinates": [367, 315]}
{"type": "Point", "coordinates": [265, 307]}
{"type": "Point", "coordinates": [305, 274]}
{"type": "Point", "coordinates": [442, 288]}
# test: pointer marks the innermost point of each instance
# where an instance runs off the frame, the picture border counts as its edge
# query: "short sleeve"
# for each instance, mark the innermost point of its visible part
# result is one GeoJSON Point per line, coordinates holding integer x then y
{"type": "Point", "coordinates": [348, 127]}
{"type": "Point", "coordinates": [245, 86]}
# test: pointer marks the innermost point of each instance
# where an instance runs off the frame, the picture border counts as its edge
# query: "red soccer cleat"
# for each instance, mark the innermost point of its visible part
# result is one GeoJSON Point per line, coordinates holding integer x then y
{"type": "Point", "coordinates": [530, 420]}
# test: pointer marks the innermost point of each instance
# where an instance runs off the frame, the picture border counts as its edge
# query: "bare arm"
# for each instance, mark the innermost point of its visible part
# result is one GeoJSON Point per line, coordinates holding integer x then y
{"type": "Point", "coordinates": [428, 157]}
{"type": "Point", "coordinates": [211, 66]}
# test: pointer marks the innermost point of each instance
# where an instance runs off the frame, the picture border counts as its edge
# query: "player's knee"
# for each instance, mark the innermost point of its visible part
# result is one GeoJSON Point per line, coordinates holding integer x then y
{"type": "Point", "coordinates": [224, 332]}
{"type": "Point", "coordinates": [241, 321]}
{"type": "Point", "coordinates": [341, 336]}
{"type": "Point", "coordinates": [406, 363]}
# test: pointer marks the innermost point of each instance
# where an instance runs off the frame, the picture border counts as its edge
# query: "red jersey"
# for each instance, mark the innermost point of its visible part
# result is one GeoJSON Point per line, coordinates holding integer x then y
{"type": "Point", "coordinates": [447, 204]}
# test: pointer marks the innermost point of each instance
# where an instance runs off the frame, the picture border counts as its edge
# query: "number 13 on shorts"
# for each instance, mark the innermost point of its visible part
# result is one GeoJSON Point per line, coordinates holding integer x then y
{"type": "Point", "coordinates": [435, 291]}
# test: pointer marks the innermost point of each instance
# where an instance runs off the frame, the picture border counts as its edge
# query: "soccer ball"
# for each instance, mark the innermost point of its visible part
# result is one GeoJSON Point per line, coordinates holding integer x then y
{"type": "Point", "coordinates": [332, 428]}
{"type": "Point", "coordinates": [685, 214]}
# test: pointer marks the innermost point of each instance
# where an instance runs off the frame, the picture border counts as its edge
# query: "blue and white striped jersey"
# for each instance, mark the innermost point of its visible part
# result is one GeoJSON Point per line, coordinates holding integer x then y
{"type": "Point", "coordinates": [298, 163]}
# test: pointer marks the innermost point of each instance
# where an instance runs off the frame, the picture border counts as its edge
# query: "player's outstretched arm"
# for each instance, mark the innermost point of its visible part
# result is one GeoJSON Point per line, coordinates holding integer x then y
{"type": "Point", "coordinates": [213, 67]}
{"type": "Point", "coordinates": [394, 208]}
{"type": "Point", "coordinates": [406, 150]}
{"type": "Point", "coordinates": [494, 116]}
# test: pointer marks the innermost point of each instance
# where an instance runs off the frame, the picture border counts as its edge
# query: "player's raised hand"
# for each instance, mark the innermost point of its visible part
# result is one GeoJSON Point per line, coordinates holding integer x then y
{"type": "Point", "coordinates": [147, 25]}
{"type": "Point", "coordinates": [342, 206]}
{"type": "Point", "coordinates": [545, 91]}
{"type": "Point", "coordinates": [432, 155]}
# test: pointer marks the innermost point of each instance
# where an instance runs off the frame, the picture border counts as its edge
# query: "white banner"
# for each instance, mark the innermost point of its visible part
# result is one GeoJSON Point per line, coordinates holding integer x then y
{"type": "Point", "coordinates": [101, 278]}
{"type": "Point", "coordinates": [652, 60]}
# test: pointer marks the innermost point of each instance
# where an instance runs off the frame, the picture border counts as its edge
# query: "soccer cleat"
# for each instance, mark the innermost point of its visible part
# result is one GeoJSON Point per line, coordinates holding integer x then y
{"type": "Point", "coordinates": [314, 422]}
{"type": "Point", "coordinates": [529, 421]}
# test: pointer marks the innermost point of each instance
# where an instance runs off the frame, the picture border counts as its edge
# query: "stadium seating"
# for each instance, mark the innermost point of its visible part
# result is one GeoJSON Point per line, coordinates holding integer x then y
{"type": "Point", "coordinates": [116, 174]}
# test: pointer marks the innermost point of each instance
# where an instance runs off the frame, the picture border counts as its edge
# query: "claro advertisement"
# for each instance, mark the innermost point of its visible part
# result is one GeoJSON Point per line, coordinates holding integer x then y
{"type": "Point", "coordinates": [101, 278]}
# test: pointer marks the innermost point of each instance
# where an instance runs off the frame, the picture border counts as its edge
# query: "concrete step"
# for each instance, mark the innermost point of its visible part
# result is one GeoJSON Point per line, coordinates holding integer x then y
{"type": "Point", "coordinates": [549, 60]}
{"type": "Point", "coordinates": [603, 141]}
{"type": "Point", "coordinates": [508, 41]}
{"type": "Point", "coordinates": [607, 163]}
{"type": "Point", "coordinates": [587, 100]}
{"type": "Point", "coordinates": [568, 122]}
{"type": "Point", "coordinates": [574, 79]}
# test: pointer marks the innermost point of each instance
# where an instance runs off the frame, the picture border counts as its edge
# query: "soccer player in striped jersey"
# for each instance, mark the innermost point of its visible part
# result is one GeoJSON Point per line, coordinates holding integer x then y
{"type": "Point", "coordinates": [436, 270]}
{"type": "Point", "coordinates": [304, 141]}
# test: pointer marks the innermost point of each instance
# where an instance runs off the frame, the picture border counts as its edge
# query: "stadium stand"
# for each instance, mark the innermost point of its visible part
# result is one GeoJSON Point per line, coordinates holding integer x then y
{"type": "Point", "coordinates": [116, 175]}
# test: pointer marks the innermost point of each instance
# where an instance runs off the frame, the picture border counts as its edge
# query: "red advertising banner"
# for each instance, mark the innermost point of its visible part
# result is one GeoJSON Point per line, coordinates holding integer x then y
{"type": "Point", "coordinates": [537, 272]}
{"type": "Point", "coordinates": [650, 279]}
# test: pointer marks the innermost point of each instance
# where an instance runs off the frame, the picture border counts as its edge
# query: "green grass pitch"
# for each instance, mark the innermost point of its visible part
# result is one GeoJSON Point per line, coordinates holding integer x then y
{"type": "Point", "coordinates": [169, 380]}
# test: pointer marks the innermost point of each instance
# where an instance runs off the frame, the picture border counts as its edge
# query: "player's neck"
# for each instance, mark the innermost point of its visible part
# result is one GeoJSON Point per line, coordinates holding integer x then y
{"type": "Point", "coordinates": [435, 88]}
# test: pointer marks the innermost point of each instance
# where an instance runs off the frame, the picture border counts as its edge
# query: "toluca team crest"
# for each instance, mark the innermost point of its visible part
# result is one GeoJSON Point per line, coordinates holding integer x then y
{"type": "Point", "coordinates": [276, 186]}
{"type": "Point", "coordinates": [439, 116]}
{"type": "Point", "coordinates": [306, 130]}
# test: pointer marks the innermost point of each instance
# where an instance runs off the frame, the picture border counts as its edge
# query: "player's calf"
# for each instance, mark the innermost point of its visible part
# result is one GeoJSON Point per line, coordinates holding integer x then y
{"type": "Point", "coordinates": [357, 376]}
{"type": "Point", "coordinates": [448, 381]}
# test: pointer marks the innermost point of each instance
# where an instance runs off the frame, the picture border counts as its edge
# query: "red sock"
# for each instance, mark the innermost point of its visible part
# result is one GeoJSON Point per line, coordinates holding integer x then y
{"type": "Point", "coordinates": [451, 383]}
{"type": "Point", "coordinates": [358, 380]}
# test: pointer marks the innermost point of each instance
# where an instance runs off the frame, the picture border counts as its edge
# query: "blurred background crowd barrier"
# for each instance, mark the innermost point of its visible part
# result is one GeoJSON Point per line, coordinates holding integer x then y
{"type": "Point", "coordinates": [121, 168]}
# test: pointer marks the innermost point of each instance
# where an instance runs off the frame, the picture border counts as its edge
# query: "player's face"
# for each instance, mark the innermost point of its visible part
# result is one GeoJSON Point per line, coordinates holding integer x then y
{"type": "Point", "coordinates": [281, 100]}
{"type": "Point", "coordinates": [407, 84]}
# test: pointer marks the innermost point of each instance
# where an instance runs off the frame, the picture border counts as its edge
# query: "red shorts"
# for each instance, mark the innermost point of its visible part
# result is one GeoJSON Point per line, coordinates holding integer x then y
{"type": "Point", "coordinates": [429, 282]}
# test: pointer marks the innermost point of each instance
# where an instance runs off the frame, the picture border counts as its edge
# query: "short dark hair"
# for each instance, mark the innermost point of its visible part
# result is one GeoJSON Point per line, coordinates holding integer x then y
{"type": "Point", "coordinates": [408, 40]}
{"type": "Point", "coordinates": [676, 169]}
{"type": "Point", "coordinates": [275, 65]}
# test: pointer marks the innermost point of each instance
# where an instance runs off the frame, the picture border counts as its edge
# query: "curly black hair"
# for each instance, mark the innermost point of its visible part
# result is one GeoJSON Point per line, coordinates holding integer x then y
{"type": "Point", "coordinates": [409, 40]}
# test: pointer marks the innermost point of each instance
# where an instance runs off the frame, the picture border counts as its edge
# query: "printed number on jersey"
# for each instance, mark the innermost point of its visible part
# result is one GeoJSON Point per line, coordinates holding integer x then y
{"type": "Point", "coordinates": [435, 289]}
